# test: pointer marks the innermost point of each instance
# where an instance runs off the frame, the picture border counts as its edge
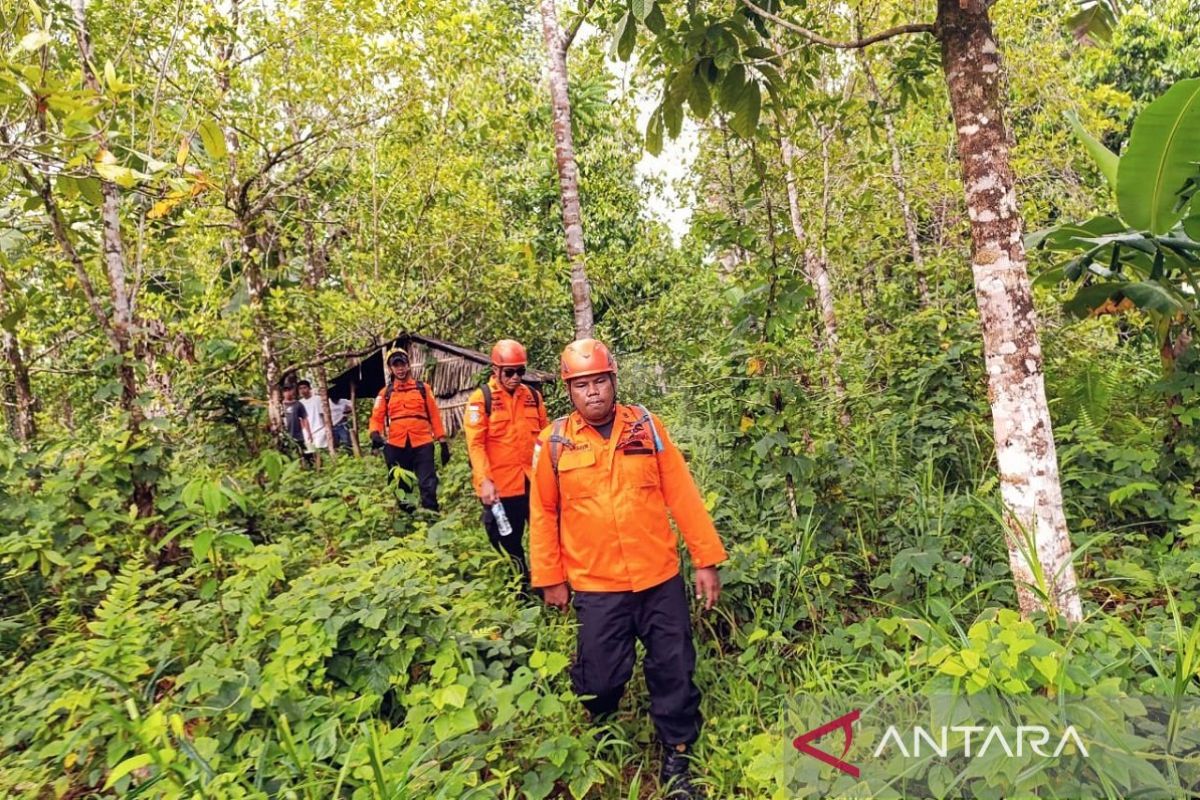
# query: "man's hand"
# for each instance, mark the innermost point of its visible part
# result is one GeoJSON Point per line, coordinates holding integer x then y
{"type": "Point", "coordinates": [445, 452]}
{"type": "Point", "coordinates": [487, 492]}
{"type": "Point", "coordinates": [556, 596]}
{"type": "Point", "coordinates": [708, 586]}
{"type": "Point", "coordinates": [376, 439]}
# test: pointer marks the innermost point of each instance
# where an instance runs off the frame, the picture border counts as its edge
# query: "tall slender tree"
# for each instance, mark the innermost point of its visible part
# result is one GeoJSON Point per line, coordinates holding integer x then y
{"type": "Point", "coordinates": [558, 42]}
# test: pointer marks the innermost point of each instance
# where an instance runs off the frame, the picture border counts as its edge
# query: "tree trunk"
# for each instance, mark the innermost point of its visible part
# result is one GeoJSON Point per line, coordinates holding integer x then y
{"type": "Point", "coordinates": [568, 174]}
{"type": "Point", "coordinates": [112, 245]}
{"type": "Point", "coordinates": [815, 268]}
{"type": "Point", "coordinates": [354, 419]}
{"type": "Point", "coordinates": [910, 222]}
{"type": "Point", "coordinates": [21, 422]}
{"type": "Point", "coordinates": [326, 410]}
{"type": "Point", "coordinates": [1025, 453]}
{"type": "Point", "coordinates": [121, 323]}
{"type": "Point", "coordinates": [256, 288]}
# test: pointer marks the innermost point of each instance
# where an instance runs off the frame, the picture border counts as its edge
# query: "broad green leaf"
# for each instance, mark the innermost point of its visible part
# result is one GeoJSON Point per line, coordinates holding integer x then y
{"type": "Point", "coordinates": [68, 186]}
{"type": "Point", "coordinates": [213, 139]}
{"type": "Point", "coordinates": [673, 117]}
{"type": "Point", "coordinates": [655, 20]}
{"type": "Point", "coordinates": [1160, 158]}
{"type": "Point", "coordinates": [237, 541]}
{"type": "Point", "coordinates": [35, 40]}
{"type": "Point", "coordinates": [121, 176]}
{"type": "Point", "coordinates": [456, 723]}
{"type": "Point", "coordinates": [732, 86]}
{"type": "Point", "coordinates": [1191, 226]}
{"type": "Point", "coordinates": [1093, 23]}
{"type": "Point", "coordinates": [1050, 277]}
{"type": "Point", "coordinates": [127, 766]}
{"type": "Point", "coordinates": [744, 121]}
{"type": "Point", "coordinates": [1105, 159]}
{"type": "Point", "coordinates": [699, 98]}
{"type": "Point", "coordinates": [641, 9]}
{"type": "Point", "coordinates": [201, 545]}
{"type": "Point", "coordinates": [1152, 296]}
{"type": "Point", "coordinates": [654, 133]}
{"type": "Point", "coordinates": [624, 38]}
{"type": "Point", "coordinates": [89, 189]}
{"type": "Point", "coordinates": [1091, 297]}
{"type": "Point", "coordinates": [214, 499]}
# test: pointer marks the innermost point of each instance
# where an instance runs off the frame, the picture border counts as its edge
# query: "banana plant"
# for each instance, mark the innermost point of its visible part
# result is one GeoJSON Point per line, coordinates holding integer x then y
{"type": "Point", "coordinates": [1147, 255]}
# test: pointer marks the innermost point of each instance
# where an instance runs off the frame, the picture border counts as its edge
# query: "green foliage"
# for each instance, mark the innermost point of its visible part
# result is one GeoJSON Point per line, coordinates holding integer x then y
{"type": "Point", "coordinates": [275, 632]}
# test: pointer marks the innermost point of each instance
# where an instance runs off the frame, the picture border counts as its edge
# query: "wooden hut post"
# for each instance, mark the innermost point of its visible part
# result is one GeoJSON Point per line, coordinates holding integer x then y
{"type": "Point", "coordinates": [354, 418]}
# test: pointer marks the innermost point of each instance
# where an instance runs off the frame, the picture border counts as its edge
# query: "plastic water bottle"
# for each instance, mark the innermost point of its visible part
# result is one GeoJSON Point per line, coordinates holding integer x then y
{"type": "Point", "coordinates": [501, 519]}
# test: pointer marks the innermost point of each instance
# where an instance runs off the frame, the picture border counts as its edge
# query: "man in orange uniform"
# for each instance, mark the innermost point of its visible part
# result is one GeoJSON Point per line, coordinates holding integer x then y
{"type": "Point", "coordinates": [502, 422]}
{"type": "Point", "coordinates": [604, 479]}
{"type": "Point", "coordinates": [405, 422]}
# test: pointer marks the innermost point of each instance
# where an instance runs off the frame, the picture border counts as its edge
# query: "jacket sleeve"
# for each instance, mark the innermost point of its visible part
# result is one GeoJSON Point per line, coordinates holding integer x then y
{"type": "Point", "coordinates": [545, 544]}
{"type": "Point", "coordinates": [687, 507]}
{"type": "Point", "coordinates": [435, 416]}
{"type": "Point", "coordinates": [377, 413]}
{"type": "Point", "coordinates": [475, 427]}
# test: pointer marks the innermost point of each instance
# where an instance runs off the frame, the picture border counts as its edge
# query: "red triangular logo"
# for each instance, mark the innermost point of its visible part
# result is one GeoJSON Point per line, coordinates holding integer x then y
{"type": "Point", "coordinates": [844, 722]}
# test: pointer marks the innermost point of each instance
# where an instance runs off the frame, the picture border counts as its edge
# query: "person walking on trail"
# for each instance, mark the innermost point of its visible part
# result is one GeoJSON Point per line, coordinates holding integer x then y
{"type": "Point", "coordinates": [405, 423]}
{"type": "Point", "coordinates": [604, 479]}
{"type": "Point", "coordinates": [296, 425]}
{"type": "Point", "coordinates": [502, 423]}
{"type": "Point", "coordinates": [341, 411]}
{"type": "Point", "coordinates": [316, 420]}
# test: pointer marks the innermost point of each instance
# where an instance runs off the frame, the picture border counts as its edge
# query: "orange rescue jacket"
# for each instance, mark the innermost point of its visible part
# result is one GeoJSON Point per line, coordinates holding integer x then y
{"type": "Point", "coordinates": [500, 445]}
{"type": "Point", "coordinates": [601, 523]}
{"type": "Point", "coordinates": [412, 416]}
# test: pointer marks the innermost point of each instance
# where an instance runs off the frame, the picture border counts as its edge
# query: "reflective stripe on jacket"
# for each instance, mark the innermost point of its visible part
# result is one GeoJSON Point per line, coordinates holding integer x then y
{"type": "Point", "coordinates": [500, 446]}
{"type": "Point", "coordinates": [413, 418]}
{"type": "Point", "coordinates": [601, 524]}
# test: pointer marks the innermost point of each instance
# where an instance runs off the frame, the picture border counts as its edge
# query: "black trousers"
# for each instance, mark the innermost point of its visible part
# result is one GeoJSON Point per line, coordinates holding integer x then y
{"type": "Point", "coordinates": [418, 460]}
{"type": "Point", "coordinates": [609, 622]}
{"type": "Point", "coordinates": [517, 510]}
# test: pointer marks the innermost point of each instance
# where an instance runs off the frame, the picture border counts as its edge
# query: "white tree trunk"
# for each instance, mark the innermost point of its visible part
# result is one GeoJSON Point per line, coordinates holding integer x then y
{"type": "Point", "coordinates": [21, 421]}
{"type": "Point", "coordinates": [1025, 453]}
{"type": "Point", "coordinates": [815, 268]}
{"type": "Point", "coordinates": [910, 221]}
{"type": "Point", "coordinates": [568, 173]}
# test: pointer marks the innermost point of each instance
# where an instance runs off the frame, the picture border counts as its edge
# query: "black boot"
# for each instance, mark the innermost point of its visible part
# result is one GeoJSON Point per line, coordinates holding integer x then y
{"type": "Point", "coordinates": [675, 777]}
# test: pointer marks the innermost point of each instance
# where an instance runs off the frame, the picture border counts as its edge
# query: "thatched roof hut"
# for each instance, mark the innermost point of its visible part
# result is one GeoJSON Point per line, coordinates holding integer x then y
{"type": "Point", "coordinates": [450, 370]}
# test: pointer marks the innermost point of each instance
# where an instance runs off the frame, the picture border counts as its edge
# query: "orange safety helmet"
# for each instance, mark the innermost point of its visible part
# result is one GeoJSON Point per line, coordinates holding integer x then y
{"type": "Point", "coordinates": [508, 353]}
{"type": "Point", "coordinates": [586, 357]}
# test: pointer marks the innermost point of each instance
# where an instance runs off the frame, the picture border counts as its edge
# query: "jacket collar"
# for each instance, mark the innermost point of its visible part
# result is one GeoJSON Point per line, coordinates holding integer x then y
{"type": "Point", "coordinates": [624, 415]}
{"type": "Point", "coordinates": [498, 389]}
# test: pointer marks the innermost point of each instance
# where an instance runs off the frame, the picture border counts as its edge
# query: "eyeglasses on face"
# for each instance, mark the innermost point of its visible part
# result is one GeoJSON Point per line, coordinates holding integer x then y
{"type": "Point", "coordinates": [508, 372]}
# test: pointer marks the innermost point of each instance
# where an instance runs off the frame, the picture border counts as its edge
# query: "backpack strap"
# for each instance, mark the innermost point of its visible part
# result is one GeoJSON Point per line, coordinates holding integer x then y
{"type": "Point", "coordinates": [387, 409]}
{"type": "Point", "coordinates": [649, 420]}
{"type": "Point", "coordinates": [557, 440]}
{"type": "Point", "coordinates": [387, 405]}
{"type": "Point", "coordinates": [487, 400]}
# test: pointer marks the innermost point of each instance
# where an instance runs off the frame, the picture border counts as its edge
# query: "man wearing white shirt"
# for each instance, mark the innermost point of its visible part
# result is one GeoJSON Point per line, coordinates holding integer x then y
{"type": "Point", "coordinates": [316, 415]}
